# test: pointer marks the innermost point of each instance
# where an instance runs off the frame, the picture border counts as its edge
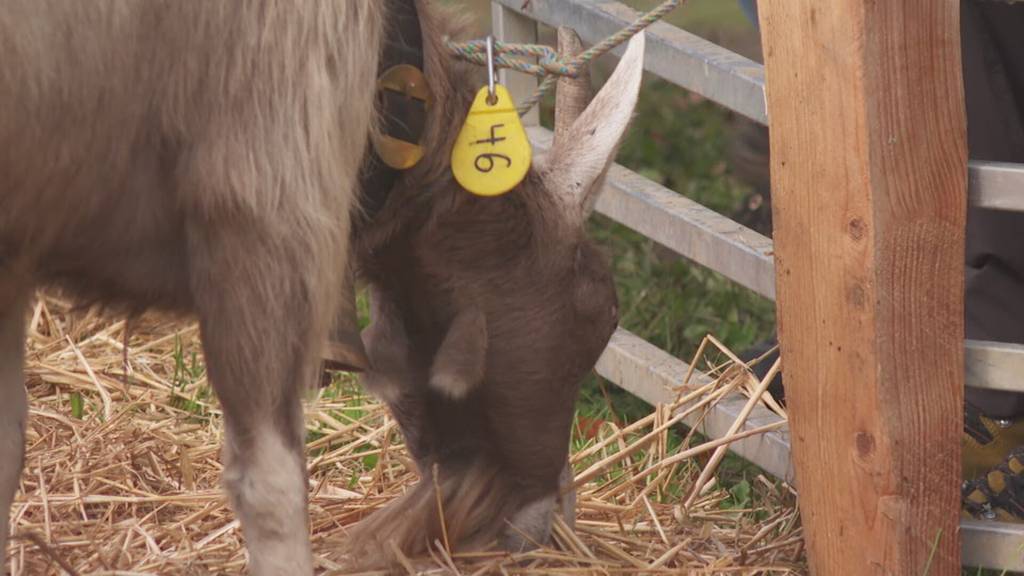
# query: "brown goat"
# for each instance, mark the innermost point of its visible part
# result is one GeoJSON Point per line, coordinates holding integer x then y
{"type": "Point", "coordinates": [202, 157]}
{"type": "Point", "coordinates": [487, 314]}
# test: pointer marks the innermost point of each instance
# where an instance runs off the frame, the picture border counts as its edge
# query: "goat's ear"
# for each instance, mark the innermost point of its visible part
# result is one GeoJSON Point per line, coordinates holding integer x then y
{"type": "Point", "coordinates": [460, 361]}
{"type": "Point", "coordinates": [582, 152]}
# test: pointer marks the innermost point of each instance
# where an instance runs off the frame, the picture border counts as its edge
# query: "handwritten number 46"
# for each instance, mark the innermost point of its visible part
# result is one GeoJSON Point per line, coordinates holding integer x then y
{"type": "Point", "coordinates": [485, 161]}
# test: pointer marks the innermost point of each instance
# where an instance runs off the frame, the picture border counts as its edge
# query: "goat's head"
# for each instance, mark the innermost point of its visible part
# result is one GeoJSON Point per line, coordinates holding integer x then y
{"type": "Point", "coordinates": [502, 297]}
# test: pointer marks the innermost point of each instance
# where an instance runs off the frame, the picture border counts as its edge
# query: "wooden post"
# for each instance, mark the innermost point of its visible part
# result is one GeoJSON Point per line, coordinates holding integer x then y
{"type": "Point", "coordinates": [510, 26]}
{"type": "Point", "coordinates": [869, 177]}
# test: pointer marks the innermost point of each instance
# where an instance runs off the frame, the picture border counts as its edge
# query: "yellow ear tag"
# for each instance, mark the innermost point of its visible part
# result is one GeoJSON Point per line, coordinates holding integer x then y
{"type": "Point", "coordinates": [492, 154]}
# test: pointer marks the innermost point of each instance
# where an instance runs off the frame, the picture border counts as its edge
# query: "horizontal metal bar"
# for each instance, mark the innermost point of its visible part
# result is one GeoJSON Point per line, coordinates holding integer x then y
{"type": "Point", "coordinates": [655, 376]}
{"type": "Point", "coordinates": [997, 185]}
{"type": "Point", "coordinates": [993, 545]}
{"type": "Point", "coordinates": [995, 365]}
{"type": "Point", "coordinates": [683, 225]}
{"type": "Point", "coordinates": [676, 55]}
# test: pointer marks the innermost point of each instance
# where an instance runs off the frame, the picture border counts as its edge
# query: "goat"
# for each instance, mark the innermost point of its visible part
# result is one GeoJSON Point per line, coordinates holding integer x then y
{"type": "Point", "coordinates": [487, 314]}
{"type": "Point", "coordinates": [203, 158]}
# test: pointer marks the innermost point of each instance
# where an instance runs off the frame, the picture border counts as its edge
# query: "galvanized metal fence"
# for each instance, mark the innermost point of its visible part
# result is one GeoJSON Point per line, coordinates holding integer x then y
{"type": "Point", "coordinates": [718, 243]}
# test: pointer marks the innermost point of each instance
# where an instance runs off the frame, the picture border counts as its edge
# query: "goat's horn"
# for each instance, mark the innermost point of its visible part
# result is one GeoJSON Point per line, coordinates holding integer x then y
{"type": "Point", "coordinates": [572, 94]}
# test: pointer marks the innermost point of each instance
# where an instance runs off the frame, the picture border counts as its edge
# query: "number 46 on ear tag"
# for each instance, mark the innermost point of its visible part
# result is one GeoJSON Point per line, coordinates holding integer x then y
{"type": "Point", "coordinates": [492, 153]}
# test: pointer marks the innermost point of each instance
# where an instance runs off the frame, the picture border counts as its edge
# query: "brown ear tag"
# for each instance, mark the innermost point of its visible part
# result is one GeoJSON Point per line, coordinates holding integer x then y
{"type": "Point", "coordinates": [405, 97]}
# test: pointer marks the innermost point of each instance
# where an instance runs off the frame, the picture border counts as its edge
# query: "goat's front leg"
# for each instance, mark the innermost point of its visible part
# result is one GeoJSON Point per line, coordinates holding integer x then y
{"type": "Point", "coordinates": [13, 407]}
{"type": "Point", "coordinates": [263, 308]}
{"type": "Point", "coordinates": [394, 377]}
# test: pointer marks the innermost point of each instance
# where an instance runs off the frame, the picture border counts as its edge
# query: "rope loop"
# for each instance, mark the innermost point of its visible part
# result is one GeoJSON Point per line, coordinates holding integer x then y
{"type": "Point", "coordinates": [550, 65]}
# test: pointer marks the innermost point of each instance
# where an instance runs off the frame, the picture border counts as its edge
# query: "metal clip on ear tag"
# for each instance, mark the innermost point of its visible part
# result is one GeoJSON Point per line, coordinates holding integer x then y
{"type": "Point", "coordinates": [492, 153]}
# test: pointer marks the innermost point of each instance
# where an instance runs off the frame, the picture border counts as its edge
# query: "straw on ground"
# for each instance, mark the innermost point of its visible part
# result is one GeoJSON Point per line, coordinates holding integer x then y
{"type": "Point", "coordinates": [128, 482]}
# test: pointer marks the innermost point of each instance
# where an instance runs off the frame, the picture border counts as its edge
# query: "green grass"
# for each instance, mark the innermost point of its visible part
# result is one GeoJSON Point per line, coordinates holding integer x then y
{"type": "Point", "coordinates": [188, 391]}
{"type": "Point", "coordinates": [712, 19]}
{"type": "Point", "coordinates": [77, 406]}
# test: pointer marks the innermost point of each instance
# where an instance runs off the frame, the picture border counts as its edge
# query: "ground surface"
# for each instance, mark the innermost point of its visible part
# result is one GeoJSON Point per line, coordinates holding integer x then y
{"type": "Point", "coordinates": [122, 476]}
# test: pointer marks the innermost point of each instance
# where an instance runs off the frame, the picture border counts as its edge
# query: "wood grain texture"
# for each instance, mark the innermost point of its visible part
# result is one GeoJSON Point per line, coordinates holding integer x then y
{"type": "Point", "coordinates": [869, 176]}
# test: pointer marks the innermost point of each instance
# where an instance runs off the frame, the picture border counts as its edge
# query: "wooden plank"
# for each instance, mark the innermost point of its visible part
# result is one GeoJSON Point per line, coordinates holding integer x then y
{"type": "Point", "coordinates": [655, 376]}
{"type": "Point", "coordinates": [510, 26]}
{"type": "Point", "coordinates": [869, 170]}
{"type": "Point", "coordinates": [676, 55]}
{"type": "Point", "coordinates": [678, 223]}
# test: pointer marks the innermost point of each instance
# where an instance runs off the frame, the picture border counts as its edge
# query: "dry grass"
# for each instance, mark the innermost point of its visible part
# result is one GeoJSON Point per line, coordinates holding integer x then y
{"type": "Point", "coordinates": [121, 474]}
